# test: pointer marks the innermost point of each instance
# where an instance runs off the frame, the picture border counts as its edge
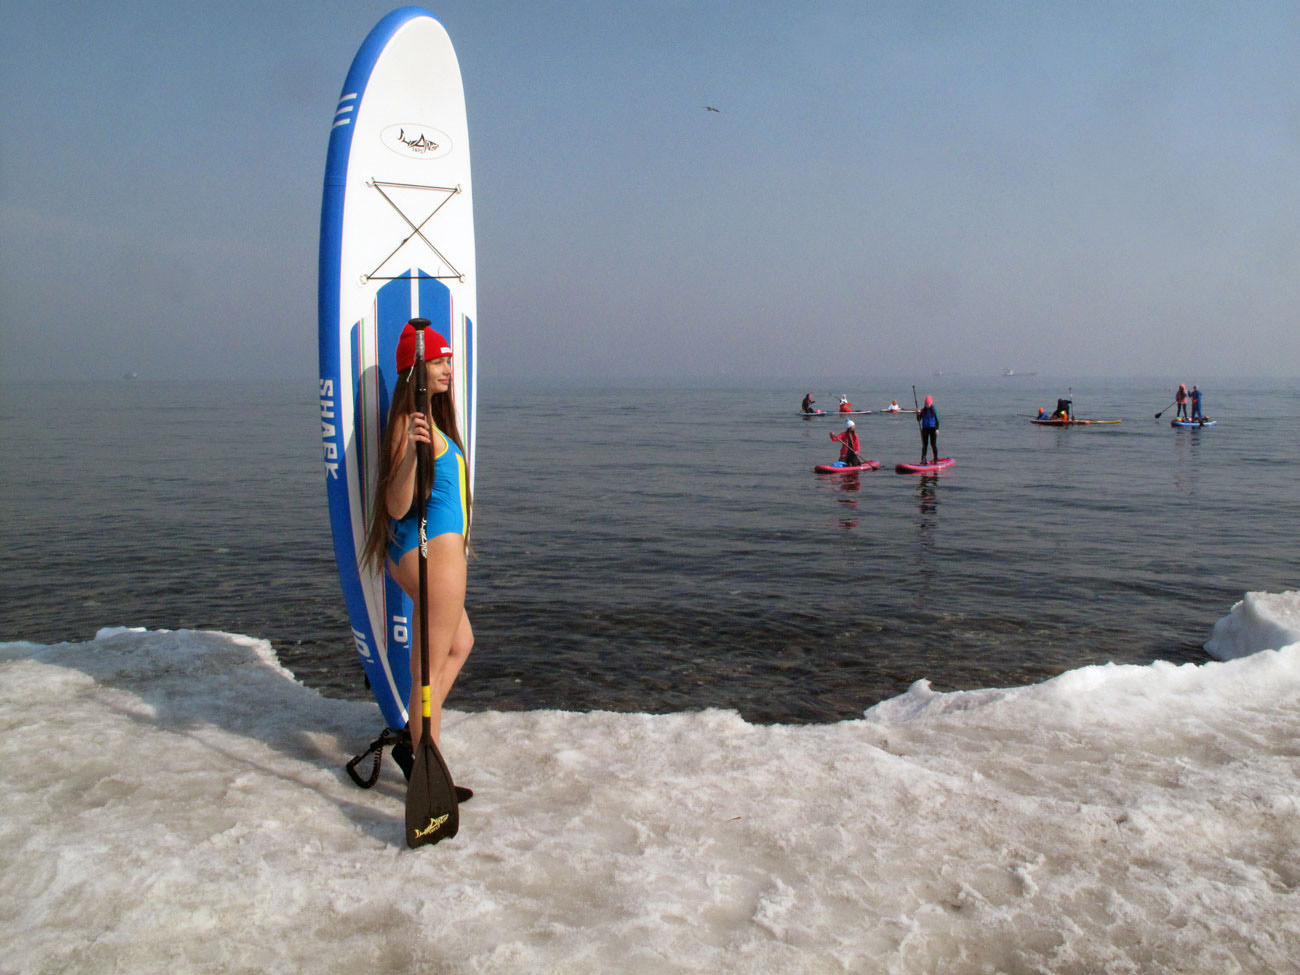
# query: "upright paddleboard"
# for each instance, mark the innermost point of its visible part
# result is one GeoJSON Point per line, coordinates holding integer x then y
{"type": "Point", "coordinates": [396, 243]}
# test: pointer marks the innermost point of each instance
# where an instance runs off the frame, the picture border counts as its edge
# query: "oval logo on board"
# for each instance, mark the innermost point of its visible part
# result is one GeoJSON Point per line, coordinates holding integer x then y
{"type": "Point", "coordinates": [416, 140]}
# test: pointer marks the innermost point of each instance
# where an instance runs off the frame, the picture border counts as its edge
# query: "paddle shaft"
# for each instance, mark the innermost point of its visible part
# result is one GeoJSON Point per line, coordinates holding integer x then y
{"type": "Point", "coordinates": [422, 458]}
{"type": "Point", "coordinates": [917, 404]}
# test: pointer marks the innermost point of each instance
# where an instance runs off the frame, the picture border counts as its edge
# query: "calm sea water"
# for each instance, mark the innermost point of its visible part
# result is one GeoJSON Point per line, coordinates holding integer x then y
{"type": "Point", "coordinates": [655, 548]}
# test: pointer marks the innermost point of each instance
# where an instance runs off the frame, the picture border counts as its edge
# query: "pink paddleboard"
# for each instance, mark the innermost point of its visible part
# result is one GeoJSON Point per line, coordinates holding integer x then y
{"type": "Point", "coordinates": [870, 465]}
{"type": "Point", "coordinates": [930, 468]}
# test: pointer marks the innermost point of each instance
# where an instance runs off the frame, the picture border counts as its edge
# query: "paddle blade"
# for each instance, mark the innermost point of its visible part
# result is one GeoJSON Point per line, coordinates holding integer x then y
{"type": "Point", "coordinates": [432, 813]}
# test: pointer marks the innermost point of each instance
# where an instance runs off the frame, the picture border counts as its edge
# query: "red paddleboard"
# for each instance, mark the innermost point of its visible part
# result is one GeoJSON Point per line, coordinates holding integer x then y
{"type": "Point", "coordinates": [870, 465]}
{"type": "Point", "coordinates": [937, 465]}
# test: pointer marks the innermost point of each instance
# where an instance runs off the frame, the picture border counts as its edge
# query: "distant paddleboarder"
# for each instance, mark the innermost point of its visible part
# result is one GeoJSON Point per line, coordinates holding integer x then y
{"type": "Point", "coordinates": [1180, 399]}
{"type": "Point", "coordinates": [845, 405]}
{"type": "Point", "coordinates": [808, 402]}
{"type": "Point", "coordinates": [1195, 397]}
{"type": "Point", "coordinates": [928, 419]}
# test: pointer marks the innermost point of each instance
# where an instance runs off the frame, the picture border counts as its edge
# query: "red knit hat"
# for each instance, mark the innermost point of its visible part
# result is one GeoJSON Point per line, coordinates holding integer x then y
{"type": "Point", "coordinates": [436, 346]}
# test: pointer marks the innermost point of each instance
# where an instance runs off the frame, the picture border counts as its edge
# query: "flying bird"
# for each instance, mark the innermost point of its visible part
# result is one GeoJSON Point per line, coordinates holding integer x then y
{"type": "Point", "coordinates": [710, 108]}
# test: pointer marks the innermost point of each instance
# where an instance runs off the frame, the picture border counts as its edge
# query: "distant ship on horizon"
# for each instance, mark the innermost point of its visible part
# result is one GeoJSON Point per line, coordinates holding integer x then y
{"type": "Point", "coordinates": [1013, 372]}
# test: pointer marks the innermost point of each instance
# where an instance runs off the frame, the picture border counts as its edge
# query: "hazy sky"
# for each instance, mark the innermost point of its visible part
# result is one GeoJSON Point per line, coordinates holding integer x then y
{"type": "Point", "coordinates": [1092, 188]}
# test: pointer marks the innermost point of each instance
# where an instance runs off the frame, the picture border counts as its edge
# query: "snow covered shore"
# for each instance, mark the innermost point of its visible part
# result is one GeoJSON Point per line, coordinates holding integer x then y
{"type": "Point", "coordinates": [176, 801]}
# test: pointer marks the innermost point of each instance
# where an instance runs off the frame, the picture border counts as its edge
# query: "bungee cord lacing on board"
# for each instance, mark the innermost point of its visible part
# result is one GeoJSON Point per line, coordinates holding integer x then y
{"type": "Point", "coordinates": [416, 230]}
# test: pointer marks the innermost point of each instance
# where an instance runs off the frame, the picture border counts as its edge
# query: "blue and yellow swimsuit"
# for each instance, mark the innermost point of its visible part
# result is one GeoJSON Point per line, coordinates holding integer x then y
{"type": "Point", "coordinates": [446, 510]}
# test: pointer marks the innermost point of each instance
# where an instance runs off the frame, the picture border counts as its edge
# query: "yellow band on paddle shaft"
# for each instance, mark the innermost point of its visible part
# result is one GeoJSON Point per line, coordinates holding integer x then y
{"type": "Point", "coordinates": [426, 702]}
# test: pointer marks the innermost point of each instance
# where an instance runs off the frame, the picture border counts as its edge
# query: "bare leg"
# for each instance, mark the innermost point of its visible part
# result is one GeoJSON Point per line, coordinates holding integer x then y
{"type": "Point", "coordinates": [450, 636]}
{"type": "Point", "coordinates": [461, 644]}
{"type": "Point", "coordinates": [441, 678]}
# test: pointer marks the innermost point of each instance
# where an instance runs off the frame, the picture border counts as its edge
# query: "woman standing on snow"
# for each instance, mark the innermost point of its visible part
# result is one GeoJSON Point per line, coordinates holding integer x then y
{"type": "Point", "coordinates": [393, 538]}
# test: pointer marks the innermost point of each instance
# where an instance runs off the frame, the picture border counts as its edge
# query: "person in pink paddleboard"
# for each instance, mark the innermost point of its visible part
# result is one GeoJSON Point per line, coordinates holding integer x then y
{"type": "Point", "coordinates": [849, 445]}
{"type": "Point", "coordinates": [928, 419]}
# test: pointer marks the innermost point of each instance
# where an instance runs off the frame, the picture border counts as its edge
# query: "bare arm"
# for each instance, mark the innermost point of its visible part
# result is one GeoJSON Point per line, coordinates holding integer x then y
{"type": "Point", "coordinates": [401, 489]}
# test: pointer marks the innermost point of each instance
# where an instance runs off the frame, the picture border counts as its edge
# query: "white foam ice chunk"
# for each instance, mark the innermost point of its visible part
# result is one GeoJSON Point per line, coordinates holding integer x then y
{"type": "Point", "coordinates": [176, 801]}
{"type": "Point", "coordinates": [106, 632]}
{"type": "Point", "coordinates": [1261, 621]}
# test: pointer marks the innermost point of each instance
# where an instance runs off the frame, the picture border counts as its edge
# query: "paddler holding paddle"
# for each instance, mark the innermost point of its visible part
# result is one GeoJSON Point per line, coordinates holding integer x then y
{"type": "Point", "coordinates": [928, 419]}
{"type": "Point", "coordinates": [849, 445]}
{"type": "Point", "coordinates": [418, 531]}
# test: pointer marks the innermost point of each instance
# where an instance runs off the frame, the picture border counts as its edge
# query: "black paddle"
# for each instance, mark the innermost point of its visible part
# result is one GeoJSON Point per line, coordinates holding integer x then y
{"type": "Point", "coordinates": [432, 813]}
{"type": "Point", "coordinates": [917, 404]}
{"type": "Point", "coordinates": [1167, 407]}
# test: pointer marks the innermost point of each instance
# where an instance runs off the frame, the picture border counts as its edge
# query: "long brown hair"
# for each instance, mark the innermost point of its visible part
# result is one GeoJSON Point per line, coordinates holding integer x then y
{"type": "Point", "coordinates": [442, 414]}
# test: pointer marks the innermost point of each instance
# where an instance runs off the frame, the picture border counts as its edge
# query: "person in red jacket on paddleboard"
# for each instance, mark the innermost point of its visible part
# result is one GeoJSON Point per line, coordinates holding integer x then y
{"type": "Point", "coordinates": [845, 405]}
{"type": "Point", "coordinates": [849, 445]}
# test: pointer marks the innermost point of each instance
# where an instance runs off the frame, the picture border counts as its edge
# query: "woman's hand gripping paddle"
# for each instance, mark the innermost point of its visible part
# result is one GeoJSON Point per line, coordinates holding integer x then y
{"type": "Point", "coordinates": [432, 813]}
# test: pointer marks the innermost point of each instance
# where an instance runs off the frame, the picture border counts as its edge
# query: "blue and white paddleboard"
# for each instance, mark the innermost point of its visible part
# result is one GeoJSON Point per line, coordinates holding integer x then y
{"type": "Point", "coordinates": [396, 243]}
